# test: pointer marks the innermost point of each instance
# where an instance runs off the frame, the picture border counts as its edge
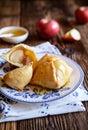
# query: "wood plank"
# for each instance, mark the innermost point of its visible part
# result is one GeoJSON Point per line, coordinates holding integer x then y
{"type": "Point", "coordinates": [9, 16]}
{"type": "Point", "coordinates": [9, 21]}
{"type": "Point", "coordinates": [9, 7]}
{"type": "Point", "coordinates": [8, 126]}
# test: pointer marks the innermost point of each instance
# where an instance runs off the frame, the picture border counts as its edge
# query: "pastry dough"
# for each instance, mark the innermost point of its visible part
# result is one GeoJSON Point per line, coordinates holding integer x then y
{"type": "Point", "coordinates": [20, 55]}
{"type": "Point", "coordinates": [19, 77]}
{"type": "Point", "coordinates": [51, 72]}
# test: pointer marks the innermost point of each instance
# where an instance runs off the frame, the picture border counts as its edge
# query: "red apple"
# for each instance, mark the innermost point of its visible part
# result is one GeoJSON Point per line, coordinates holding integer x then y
{"type": "Point", "coordinates": [81, 14]}
{"type": "Point", "coordinates": [72, 35]}
{"type": "Point", "coordinates": [47, 28]}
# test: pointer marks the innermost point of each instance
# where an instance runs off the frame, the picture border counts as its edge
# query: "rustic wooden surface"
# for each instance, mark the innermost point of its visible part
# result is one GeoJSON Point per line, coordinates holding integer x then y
{"type": "Point", "coordinates": [26, 13]}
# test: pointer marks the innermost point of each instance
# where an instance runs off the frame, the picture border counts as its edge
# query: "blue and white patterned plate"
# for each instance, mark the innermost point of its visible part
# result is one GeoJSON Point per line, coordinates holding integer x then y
{"type": "Point", "coordinates": [29, 96]}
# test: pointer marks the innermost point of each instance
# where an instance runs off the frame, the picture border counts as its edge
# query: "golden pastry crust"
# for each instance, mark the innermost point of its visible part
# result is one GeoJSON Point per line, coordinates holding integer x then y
{"type": "Point", "coordinates": [19, 77]}
{"type": "Point", "coordinates": [20, 55]}
{"type": "Point", "coordinates": [45, 76]}
{"type": "Point", "coordinates": [51, 72]}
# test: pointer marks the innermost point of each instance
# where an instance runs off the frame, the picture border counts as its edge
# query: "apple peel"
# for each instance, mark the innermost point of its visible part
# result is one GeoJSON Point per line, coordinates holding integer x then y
{"type": "Point", "coordinates": [81, 14]}
{"type": "Point", "coordinates": [47, 29]}
{"type": "Point", "coordinates": [72, 35]}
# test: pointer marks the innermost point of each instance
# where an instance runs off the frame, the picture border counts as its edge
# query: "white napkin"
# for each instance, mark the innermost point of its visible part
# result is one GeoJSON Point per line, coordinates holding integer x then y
{"type": "Point", "coordinates": [13, 111]}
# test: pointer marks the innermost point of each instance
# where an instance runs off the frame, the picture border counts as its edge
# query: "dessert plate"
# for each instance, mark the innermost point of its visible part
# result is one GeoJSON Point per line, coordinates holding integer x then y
{"type": "Point", "coordinates": [29, 95]}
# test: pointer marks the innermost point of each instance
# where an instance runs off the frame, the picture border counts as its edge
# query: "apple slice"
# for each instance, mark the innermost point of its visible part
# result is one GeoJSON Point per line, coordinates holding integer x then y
{"type": "Point", "coordinates": [72, 35]}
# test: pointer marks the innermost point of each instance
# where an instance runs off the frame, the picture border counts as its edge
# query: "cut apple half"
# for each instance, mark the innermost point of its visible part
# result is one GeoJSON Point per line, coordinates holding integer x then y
{"type": "Point", "coordinates": [72, 35]}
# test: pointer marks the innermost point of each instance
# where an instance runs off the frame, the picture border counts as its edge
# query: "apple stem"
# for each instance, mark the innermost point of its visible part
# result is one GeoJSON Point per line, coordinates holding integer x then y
{"type": "Point", "coordinates": [48, 16]}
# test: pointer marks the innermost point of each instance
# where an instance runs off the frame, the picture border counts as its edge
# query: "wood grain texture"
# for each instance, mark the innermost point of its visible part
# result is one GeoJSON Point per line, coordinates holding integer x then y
{"type": "Point", "coordinates": [9, 7]}
{"type": "Point", "coordinates": [26, 13]}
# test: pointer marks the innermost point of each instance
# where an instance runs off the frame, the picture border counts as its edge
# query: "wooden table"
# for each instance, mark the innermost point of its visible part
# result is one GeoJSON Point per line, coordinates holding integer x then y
{"type": "Point", "coordinates": [26, 13]}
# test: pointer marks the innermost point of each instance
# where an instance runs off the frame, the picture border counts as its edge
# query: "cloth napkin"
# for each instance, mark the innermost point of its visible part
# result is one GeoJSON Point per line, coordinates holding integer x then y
{"type": "Point", "coordinates": [14, 111]}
